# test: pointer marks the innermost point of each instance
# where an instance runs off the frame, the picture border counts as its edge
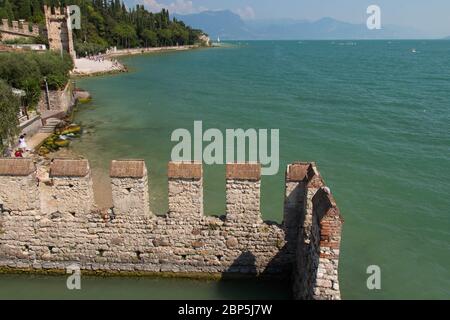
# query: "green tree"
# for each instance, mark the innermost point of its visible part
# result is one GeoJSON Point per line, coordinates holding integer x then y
{"type": "Point", "coordinates": [7, 10]}
{"type": "Point", "coordinates": [9, 108]}
{"type": "Point", "coordinates": [180, 35]}
{"type": "Point", "coordinates": [150, 38]}
{"type": "Point", "coordinates": [105, 23]}
{"type": "Point", "coordinates": [53, 68]}
{"type": "Point", "coordinates": [165, 37]}
{"type": "Point", "coordinates": [27, 71]}
{"type": "Point", "coordinates": [126, 33]}
{"type": "Point", "coordinates": [22, 73]}
{"type": "Point", "coordinates": [24, 9]}
{"type": "Point", "coordinates": [37, 11]}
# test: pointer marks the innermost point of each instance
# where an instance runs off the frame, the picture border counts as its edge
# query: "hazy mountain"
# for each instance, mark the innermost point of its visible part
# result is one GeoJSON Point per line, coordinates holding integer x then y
{"type": "Point", "coordinates": [229, 26]}
{"type": "Point", "coordinates": [225, 24]}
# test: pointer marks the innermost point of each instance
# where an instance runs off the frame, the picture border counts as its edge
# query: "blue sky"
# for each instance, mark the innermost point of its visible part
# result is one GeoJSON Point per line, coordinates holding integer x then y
{"type": "Point", "coordinates": [430, 16]}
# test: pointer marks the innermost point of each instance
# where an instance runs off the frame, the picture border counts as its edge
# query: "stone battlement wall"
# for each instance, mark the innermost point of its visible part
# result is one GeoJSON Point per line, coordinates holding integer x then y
{"type": "Point", "coordinates": [56, 224]}
{"type": "Point", "coordinates": [311, 206]}
{"type": "Point", "coordinates": [17, 29]}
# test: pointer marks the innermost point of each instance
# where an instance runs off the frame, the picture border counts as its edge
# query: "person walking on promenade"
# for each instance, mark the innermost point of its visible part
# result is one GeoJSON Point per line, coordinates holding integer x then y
{"type": "Point", "coordinates": [23, 143]}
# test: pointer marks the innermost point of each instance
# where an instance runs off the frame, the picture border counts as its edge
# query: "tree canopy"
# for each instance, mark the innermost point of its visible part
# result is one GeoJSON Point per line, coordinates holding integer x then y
{"type": "Point", "coordinates": [106, 23]}
{"type": "Point", "coordinates": [9, 108]}
{"type": "Point", "coordinates": [29, 70]}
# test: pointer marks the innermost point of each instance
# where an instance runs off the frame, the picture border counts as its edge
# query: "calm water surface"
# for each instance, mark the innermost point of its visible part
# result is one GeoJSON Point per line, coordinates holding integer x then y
{"type": "Point", "coordinates": [372, 114]}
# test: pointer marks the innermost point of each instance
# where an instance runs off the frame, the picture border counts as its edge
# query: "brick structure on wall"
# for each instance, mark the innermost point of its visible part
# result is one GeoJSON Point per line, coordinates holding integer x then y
{"type": "Point", "coordinates": [51, 226]}
{"type": "Point", "coordinates": [315, 273]}
{"type": "Point", "coordinates": [59, 33]}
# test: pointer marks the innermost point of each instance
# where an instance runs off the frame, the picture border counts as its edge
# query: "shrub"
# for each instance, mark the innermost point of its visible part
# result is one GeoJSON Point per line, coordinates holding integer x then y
{"type": "Point", "coordinates": [28, 70]}
{"type": "Point", "coordinates": [9, 107]}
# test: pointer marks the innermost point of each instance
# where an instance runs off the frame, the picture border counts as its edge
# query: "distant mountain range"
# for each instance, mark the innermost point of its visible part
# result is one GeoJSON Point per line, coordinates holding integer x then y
{"type": "Point", "coordinates": [225, 24]}
{"type": "Point", "coordinates": [229, 26]}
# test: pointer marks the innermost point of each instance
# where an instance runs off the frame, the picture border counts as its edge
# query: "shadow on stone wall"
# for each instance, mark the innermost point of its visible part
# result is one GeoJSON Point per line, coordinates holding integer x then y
{"type": "Point", "coordinates": [243, 273]}
{"type": "Point", "coordinates": [296, 238]}
{"type": "Point", "coordinates": [294, 216]}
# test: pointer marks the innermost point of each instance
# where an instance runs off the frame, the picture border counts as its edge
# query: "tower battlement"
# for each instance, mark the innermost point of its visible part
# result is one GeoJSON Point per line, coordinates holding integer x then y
{"type": "Point", "coordinates": [53, 225]}
{"type": "Point", "coordinates": [58, 30]}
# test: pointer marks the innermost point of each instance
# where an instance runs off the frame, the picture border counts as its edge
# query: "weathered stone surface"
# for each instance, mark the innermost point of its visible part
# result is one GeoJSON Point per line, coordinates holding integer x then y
{"type": "Point", "coordinates": [72, 190]}
{"type": "Point", "coordinates": [18, 185]}
{"type": "Point", "coordinates": [243, 171]}
{"type": "Point", "coordinates": [316, 271]}
{"type": "Point", "coordinates": [51, 227]}
{"type": "Point", "coordinates": [56, 100]}
{"type": "Point", "coordinates": [16, 167]}
{"type": "Point", "coordinates": [243, 201]}
{"type": "Point", "coordinates": [185, 170]}
{"type": "Point", "coordinates": [129, 184]}
{"type": "Point", "coordinates": [185, 190]}
{"type": "Point", "coordinates": [128, 169]}
{"type": "Point", "coordinates": [69, 168]}
{"type": "Point", "coordinates": [59, 33]}
{"type": "Point", "coordinates": [232, 242]}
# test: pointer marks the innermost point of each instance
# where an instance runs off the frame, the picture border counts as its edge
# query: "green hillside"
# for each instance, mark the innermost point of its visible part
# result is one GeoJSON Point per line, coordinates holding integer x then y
{"type": "Point", "coordinates": [106, 23]}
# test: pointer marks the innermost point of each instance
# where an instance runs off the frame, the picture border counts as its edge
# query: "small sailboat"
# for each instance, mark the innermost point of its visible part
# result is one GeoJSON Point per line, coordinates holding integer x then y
{"type": "Point", "coordinates": [217, 44]}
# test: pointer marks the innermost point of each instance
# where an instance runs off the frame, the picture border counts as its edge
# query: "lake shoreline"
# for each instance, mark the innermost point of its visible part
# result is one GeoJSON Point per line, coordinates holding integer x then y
{"type": "Point", "coordinates": [106, 64]}
{"type": "Point", "coordinates": [101, 181]}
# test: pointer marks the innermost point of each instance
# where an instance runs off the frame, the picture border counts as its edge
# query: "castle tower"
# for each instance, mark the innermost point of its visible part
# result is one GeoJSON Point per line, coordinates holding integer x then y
{"type": "Point", "coordinates": [59, 32]}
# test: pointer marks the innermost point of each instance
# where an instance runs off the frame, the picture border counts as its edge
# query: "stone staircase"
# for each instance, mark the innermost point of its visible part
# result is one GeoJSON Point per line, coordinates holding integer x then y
{"type": "Point", "coordinates": [50, 125]}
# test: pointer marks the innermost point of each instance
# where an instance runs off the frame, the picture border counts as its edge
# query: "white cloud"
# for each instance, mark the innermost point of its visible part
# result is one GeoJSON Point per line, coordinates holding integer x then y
{"type": "Point", "coordinates": [179, 6]}
{"type": "Point", "coordinates": [152, 5]}
{"type": "Point", "coordinates": [246, 13]}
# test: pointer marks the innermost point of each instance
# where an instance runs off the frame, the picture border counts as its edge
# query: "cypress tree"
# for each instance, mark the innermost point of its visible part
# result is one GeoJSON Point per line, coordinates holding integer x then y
{"type": "Point", "coordinates": [7, 10]}
{"type": "Point", "coordinates": [24, 9]}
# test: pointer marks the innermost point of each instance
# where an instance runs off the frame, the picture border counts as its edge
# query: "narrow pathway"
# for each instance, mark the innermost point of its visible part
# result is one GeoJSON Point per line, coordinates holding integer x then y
{"type": "Point", "coordinates": [37, 139]}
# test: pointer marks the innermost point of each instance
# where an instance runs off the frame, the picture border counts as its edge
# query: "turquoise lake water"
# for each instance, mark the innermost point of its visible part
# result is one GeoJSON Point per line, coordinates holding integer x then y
{"type": "Point", "coordinates": [374, 116]}
{"type": "Point", "coordinates": [54, 287]}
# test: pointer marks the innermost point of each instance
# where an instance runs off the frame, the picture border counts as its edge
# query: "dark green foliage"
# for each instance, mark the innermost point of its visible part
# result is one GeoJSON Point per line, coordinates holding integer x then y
{"type": "Point", "coordinates": [6, 10]}
{"type": "Point", "coordinates": [149, 37]}
{"type": "Point", "coordinates": [9, 108]}
{"type": "Point", "coordinates": [109, 23]}
{"type": "Point", "coordinates": [20, 41]}
{"type": "Point", "coordinates": [27, 71]}
{"type": "Point", "coordinates": [106, 23]}
{"type": "Point", "coordinates": [24, 9]}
